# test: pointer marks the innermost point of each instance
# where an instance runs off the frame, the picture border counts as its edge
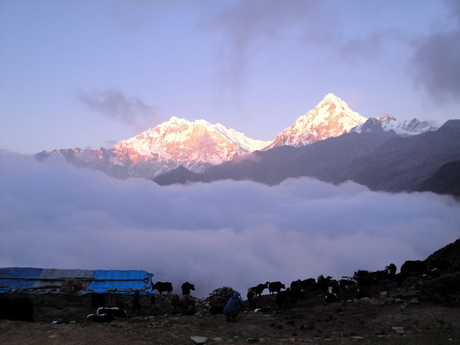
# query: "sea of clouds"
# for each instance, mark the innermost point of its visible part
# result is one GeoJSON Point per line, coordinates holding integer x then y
{"type": "Point", "coordinates": [236, 234]}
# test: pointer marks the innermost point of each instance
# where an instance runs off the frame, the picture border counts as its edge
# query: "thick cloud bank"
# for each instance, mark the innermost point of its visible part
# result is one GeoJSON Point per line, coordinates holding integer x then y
{"type": "Point", "coordinates": [53, 215]}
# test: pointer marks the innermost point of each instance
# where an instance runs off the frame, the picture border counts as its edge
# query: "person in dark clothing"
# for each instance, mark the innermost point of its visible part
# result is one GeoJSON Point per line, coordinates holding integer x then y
{"type": "Point", "coordinates": [231, 309]}
{"type": "Point", "coordinates": [136, 302]}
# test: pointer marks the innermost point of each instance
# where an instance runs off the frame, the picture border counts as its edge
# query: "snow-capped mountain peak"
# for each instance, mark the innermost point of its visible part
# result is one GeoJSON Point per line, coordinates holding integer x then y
{"type": "Point", "coordinates": [331, 101]}
{"type": "Point", "coordinates": [330, 118]}
{"type": "Point", "coordinates": [178, 130]}
{"type": "Point", "coordinates": [403, 128]}
{"type": "Point", "coordinates": [194, 145]}
{"type": "Point", "coordinates": [385, 118]}
{"type": "Point", "coordinates": [176, 142]}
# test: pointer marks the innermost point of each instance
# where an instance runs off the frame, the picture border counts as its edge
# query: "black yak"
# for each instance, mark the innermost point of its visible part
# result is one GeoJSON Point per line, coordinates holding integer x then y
{"type": "Point", "coordinates": [184, 303]}
{"type": "Point", "coordinates": [258, 289]}
{"type": "Point", "coordinates": [186, 287]}
{"type": "Point", "coordinates": [162, 286]}
{"type": "Point", "coordinates": [415, 267]}
{"type": "Point", "coordinates": [276, 287]}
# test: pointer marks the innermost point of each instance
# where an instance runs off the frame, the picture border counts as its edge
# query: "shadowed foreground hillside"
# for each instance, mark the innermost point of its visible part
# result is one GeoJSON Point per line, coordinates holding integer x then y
{"type": "Point", "coordinates": [418, 308]}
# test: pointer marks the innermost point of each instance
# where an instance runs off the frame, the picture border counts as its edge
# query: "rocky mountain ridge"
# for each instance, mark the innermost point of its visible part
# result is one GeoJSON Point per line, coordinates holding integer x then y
{"type": "Point", "coordinates": [402, 128]}
{"type": "Point", "coordinates": [177, 142]}
{"type": "Point", "coordinates": [199, 145]}
{"type": "Point", "coordinates": [378, 159]}
{"type": "Point", "coordinates": [194, 145]}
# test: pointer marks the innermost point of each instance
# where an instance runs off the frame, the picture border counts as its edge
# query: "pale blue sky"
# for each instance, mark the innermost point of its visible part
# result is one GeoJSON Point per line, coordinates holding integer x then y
{"type": "Point", "coordinates": [89, 73]}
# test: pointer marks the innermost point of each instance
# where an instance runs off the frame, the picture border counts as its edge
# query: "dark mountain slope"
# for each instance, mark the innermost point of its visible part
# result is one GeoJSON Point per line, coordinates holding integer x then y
{"type": "Point", "coordinates": [404, 163]}
{"type": "Point", "coordinates": [446, 180]}
{"type": "Point", "coordinates": [321, 160]}
{"type": "Point", "coordinates": [180, 175]}
{"type": "Point", "coordinates": [375, 158]}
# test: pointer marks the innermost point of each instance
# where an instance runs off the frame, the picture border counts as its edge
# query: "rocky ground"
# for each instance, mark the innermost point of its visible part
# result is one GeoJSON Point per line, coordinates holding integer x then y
{"type": "Point", "coordinates": [404, 316]}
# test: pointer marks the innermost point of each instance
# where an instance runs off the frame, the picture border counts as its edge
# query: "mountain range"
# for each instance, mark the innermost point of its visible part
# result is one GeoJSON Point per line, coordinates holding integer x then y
{"type": "Point", "coordinates": [330, 142]}
{"type": "Point", "coordinates": [379, 159]}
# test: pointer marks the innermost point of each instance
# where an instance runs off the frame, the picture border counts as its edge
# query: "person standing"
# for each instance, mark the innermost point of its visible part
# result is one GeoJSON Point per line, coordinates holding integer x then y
{"type": "Point", "coordinates": [136, 302]}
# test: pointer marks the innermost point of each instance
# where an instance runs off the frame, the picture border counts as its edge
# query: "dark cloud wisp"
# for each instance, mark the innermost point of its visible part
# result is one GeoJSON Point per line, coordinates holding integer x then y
{"type": "Point", "coordinates": [114, 104]}
{"type": "Point", "coordinates": [436, 60]}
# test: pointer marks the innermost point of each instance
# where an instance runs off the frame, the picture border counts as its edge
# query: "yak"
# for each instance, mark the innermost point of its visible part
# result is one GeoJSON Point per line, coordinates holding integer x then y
{"type": "Point", "coordinates": [287, 299]}
{"type": "Point", "coordinates": [162, 286]}
{"type": "Point", "coordinates": [258, 289]}
{"type": "Point", "coordinates": [184, 303]}
{"type": "Point", "coordinates": [415, 267]}
{"type": "Point", "coordinates": [186, 287]}
{"type": "Point", "coordinates": [276, 287]}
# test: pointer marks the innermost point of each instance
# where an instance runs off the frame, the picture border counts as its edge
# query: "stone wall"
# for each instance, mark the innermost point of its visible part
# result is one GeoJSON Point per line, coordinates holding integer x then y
{"type": "Point", "coordinates": [59, 300]}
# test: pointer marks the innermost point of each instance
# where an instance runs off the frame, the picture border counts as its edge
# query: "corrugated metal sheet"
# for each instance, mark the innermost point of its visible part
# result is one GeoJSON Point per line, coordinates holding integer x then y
{"type": "Point", "coordinates": [53, 276]}
{"type": "Point", "coordinates": [38, 280]}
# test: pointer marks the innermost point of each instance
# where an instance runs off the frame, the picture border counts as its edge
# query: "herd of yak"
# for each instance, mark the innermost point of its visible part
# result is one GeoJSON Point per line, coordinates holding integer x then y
{"type": "Point", "coordinates": [362, 284]}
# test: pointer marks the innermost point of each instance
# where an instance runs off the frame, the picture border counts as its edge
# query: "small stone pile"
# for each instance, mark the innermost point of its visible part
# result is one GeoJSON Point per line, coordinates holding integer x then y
{"type": "Point", "coordinates": [216, 301]}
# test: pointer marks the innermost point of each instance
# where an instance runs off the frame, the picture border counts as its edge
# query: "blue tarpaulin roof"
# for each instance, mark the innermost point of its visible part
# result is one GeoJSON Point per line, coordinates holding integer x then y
{"type": "Point", "coordinates": [103, 281]}
{"type": "Point", "coordinates": [42, 280]}
{"type": "Point", "coordinates": [9, 277]}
